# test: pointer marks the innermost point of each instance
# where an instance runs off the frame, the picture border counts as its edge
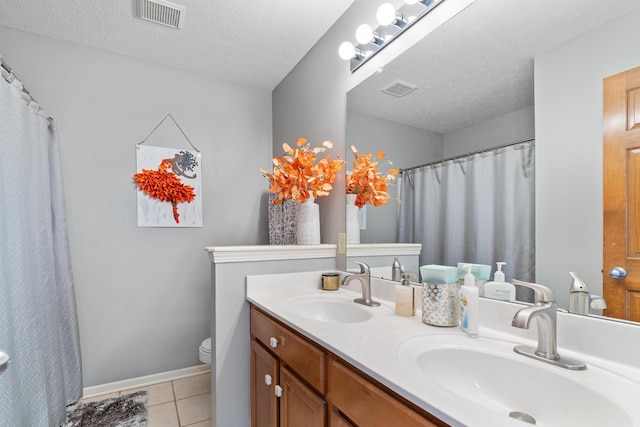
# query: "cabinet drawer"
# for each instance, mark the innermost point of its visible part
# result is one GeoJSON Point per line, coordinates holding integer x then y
{"type": "Point", "coordinates": [300, 355]}
{"type": "Point", "coordinates": [366, 404]}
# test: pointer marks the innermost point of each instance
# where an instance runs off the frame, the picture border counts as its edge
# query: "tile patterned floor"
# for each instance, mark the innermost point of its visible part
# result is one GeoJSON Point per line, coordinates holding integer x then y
{"type": "Point", "coordinates": [178, 403]}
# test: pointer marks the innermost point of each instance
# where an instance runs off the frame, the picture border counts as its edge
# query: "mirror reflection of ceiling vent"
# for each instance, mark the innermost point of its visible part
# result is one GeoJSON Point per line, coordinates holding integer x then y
{"type": "Point", "coordinates": [161, 12]}
{"type": "Point", "coordinates": [399, 88]}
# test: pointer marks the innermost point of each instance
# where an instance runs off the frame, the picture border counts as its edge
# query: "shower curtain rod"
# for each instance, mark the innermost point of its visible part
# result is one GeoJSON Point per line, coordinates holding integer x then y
{"type": "Point", "coordinates": [522, 141]}
{"type": "Point", "coordinates": [12, 76]}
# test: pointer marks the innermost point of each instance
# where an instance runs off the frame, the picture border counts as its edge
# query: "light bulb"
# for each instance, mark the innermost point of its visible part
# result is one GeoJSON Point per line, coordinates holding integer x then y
{"type": "Point", "coordinates": [346, 51]}
{"type": "Point", "coordinates": [364, 33]}
{"type": "Point", "coordinates": [386, 14]}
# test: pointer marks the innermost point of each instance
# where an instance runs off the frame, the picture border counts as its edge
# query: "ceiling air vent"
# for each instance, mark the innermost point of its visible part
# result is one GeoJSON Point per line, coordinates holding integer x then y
{"type": "Point", "coordinates": [161, 12]}
{"type": "Point", "coordinates": [399, 88]}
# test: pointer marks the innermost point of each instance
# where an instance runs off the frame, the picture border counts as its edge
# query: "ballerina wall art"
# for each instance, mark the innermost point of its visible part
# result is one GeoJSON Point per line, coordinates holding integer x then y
{"type": "Point", "coordinates": [169, 187]}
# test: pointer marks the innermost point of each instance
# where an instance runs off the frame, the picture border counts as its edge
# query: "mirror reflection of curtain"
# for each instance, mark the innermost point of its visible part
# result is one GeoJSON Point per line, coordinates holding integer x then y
{"type": "Point", "coordinates": [38, 323]}
{"type": "Point", "coordinates": [478, 208]}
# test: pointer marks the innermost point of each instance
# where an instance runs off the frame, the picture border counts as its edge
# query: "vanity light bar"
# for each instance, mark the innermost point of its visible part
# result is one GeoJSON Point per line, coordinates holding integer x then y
{"type": "Point", "coordinates": [391, 22]}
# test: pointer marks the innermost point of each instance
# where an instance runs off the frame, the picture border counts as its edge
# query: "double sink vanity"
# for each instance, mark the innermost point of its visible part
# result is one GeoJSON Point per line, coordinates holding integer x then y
{"type": "Point", "coordinates": [320, 359]}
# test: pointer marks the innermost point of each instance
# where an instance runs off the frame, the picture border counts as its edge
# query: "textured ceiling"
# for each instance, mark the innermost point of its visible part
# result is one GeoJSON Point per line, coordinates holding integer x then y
{"type": "Point", "coordinates": [479, 65]}
{"type": "Point", "coordinates": [254, 43]}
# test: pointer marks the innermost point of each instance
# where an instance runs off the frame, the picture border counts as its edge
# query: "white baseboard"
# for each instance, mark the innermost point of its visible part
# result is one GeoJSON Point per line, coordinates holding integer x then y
{"type": "Point", "coordinates": [145, 381]}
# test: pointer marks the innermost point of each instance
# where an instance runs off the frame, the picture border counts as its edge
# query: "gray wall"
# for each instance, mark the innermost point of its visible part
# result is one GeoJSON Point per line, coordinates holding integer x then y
{"type": "Point", "coordinates": [516, 126]}
{"type": "Point", "coordinates": [405, 146]}
{"type": "Point", "coordinates": [311, 102]}
{"type": "Point", "coordinates": [143, 294]}
{"type": "Point", "coordinates": [568, 92]}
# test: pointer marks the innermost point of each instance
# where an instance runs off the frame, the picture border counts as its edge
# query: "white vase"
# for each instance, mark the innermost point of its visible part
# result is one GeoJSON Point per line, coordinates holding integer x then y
{"type": "Point", "coordinates": [353, 220]}
{"type": "Point", "coordinates": [308, 223]}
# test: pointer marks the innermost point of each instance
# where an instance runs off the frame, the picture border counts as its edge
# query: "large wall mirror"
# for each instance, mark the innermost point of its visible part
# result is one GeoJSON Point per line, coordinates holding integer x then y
{"type": "Point", "coordinates": [470, 87]}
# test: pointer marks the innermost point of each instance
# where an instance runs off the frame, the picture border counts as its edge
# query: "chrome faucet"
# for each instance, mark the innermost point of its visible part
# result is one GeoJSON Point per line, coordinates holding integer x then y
{"type": "Point", "coordinates": [365, 280]}
{"type": "Point", "coordinates": [545, 310]}
{"type": "Point", "coordinates": [580, 298]}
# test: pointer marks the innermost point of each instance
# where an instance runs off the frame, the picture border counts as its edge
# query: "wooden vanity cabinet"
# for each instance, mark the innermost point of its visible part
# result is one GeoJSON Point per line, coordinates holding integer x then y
{"type": "Point", "coordinates": [317, 388]}
{"type": "Point", "coordinates": [288, 376]}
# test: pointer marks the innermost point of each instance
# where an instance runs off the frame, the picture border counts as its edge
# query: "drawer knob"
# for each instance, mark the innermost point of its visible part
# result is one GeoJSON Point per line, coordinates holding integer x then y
{"type": "Point", "coordinates": [273, 342]}
{"type": "Point", "coordinates": [278, 391]}
{"type": "Point", "coordinates": [267, 379]}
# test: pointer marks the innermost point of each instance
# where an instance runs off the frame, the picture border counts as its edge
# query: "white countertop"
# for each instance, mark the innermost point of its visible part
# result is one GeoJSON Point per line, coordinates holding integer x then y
{"type": "Point", "coordinates": [373, 346]}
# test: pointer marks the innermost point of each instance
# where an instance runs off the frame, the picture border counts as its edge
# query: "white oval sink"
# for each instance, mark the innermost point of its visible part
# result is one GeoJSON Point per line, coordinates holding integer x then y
{"type": "Point", "coordinates": [488, 373]}
{"type": "Point", "coordinates": [333, 309]}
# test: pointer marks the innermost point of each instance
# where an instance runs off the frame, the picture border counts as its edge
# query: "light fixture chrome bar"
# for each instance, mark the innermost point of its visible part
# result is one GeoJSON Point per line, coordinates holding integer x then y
{"type": "Point", "coordinates": [406, 16]}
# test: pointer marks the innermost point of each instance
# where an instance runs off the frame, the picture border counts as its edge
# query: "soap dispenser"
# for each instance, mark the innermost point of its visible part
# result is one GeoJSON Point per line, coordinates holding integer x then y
{"type": "Point", "coordinates": [499, 288]}
{"type": "Point", "coordinates": [405, 298]}
{"type": "Point", "coordinates": [469, 305]}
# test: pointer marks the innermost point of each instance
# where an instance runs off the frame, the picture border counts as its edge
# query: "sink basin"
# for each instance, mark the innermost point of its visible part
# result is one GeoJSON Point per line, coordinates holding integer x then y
{"type": "Point", "coordinates": [486, 373]}
{"type": "Point", "coordinates": [335, 309]}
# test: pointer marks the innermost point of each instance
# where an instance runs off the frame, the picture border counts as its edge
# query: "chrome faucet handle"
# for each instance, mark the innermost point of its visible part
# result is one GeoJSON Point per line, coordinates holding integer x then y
{"type": "Point", "coordinates": [364, 268]}
{"type": "Point", "coordinates": [542, 294]}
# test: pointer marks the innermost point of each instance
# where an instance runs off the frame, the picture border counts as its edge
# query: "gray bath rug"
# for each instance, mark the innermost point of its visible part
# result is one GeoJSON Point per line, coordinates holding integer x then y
{"type": "Point", "coordinates": [124, 411]}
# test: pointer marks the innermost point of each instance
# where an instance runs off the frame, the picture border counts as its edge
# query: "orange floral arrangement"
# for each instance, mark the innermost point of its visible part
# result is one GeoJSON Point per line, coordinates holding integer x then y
{"type": "Point", "coordinates": [367, 182]}
{"type": "Point", "coordinates": [164, 185]}
{"type": "Point", "coordinates": [297, 176]}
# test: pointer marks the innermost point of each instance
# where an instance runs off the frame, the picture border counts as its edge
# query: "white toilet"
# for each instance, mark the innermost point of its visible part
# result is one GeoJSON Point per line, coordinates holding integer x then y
{"type": "Point", "coordinates": [205, 351]}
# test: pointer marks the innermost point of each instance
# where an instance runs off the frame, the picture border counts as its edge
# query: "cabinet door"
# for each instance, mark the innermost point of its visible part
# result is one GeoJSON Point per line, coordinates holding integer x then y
{"type": "Point", "coordinates": [264, 378]}
{"type": "Point", "coordinates": [338, 420]}
{"type": "Point", "coordinates": [299, 405]}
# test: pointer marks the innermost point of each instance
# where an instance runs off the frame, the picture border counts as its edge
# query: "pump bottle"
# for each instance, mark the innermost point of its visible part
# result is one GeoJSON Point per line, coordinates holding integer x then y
{"type": "Point", "coordinates": [499, 288]}
{"type": "Point", "coordinates": [405, 298]}
{"type": "Point", "coordinates": [469, 305]}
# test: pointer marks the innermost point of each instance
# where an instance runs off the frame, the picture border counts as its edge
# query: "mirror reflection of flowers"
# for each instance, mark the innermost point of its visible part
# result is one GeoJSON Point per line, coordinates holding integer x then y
{"type": "Point", "coordinates": [367, 182]}
{"type": "Point", "coordinates": [297, 176]}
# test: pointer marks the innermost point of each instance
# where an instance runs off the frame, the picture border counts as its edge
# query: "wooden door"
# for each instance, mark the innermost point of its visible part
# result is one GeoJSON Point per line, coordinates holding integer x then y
{"type": "Point", "coordinates": [299, 404]}
{"type": "Point", "coordinates": [621, 167]}
{"type": "Point", "coordinates": [264, 378]}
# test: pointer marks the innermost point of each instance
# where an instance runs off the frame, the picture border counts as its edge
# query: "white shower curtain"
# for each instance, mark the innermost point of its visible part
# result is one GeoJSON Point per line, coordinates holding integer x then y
{"type": "Point", "coordinates": [478, 208]}
{"type": "Point", "coordinates": [38, 323]}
